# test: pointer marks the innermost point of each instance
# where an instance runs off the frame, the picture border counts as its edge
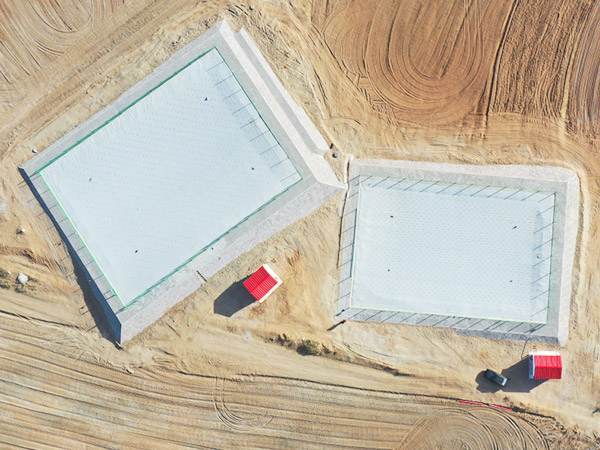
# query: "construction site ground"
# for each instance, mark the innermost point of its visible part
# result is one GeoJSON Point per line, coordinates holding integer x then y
{"type": "Point", "coordinates": [506, 82]}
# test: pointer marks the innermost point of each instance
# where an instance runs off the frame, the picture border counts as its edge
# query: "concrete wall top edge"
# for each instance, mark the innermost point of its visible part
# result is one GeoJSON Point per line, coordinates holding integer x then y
{"type": "Point", "coordinates": [548, 173]}
{"type": "Point", "coordinates": [316, 142]}
{"type": "Point", "coordinates": [279, 111]}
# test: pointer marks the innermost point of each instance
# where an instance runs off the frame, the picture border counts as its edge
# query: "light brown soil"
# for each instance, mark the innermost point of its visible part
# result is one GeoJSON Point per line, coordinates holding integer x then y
{"type": "Point", "coordinates": [464, 81]}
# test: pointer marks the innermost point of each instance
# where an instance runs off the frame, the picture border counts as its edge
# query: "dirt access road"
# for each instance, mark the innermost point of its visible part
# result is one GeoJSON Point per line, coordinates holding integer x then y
{"type": "Point", "coordinates": [470, 81]}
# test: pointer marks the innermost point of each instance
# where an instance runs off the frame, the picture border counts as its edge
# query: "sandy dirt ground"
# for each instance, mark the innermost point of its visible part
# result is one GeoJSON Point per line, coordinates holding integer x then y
{"type": "Point", "coordinates": [460, 81]}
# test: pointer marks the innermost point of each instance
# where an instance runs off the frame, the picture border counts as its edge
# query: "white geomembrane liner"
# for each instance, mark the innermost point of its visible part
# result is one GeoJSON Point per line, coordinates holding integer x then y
{"type": "Point", "coordinates": [170, 175]}
{"type": "Point", "coordinates": [453, 249]}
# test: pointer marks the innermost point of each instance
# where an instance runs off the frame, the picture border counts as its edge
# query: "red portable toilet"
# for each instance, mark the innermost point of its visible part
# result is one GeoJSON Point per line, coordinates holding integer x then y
{"type": "Point", "coordinates": [262, 283]}
{"type": "Point", "coordinates": [545, 366]}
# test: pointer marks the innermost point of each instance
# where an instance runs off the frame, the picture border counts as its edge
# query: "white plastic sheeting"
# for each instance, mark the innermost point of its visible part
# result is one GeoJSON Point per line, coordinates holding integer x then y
{"type": "Point", "coordinates": [453, 249]}
{"type": "Point", "coordinates": [169, 175]}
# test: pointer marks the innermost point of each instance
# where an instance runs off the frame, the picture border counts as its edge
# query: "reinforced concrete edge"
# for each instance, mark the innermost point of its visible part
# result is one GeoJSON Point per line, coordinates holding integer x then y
{"type": "Point", "coordinates": [309, 133]}
{"type": "Point", "coordinates": [281, 113]}
{"type": "Point", "coordinates": [562, 181]}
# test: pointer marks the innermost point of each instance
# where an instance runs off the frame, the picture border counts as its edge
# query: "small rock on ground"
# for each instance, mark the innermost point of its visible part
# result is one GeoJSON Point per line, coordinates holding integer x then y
{"type": "Point", "coordinates": [22, 278]}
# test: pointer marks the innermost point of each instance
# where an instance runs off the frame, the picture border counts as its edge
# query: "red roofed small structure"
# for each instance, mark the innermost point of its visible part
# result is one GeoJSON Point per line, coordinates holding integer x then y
{"type": "Point", "coordinates": [262, 283]}
{"type": "Point", "coordinates": [545, 366]}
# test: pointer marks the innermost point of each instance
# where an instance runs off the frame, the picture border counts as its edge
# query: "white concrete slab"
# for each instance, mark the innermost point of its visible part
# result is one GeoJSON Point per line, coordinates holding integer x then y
{"type": "Point", "coordinates": [446, 217]}
{"type": "Point", "coordinates": [191, 167]}
{"type": "Point", "coordinates": [453, 249]}
{"type": "Point", "coordinates": [169, 175]}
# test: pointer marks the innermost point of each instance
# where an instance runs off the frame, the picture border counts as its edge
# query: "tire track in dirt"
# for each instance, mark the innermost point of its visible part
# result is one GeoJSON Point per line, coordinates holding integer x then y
{"type": "Point", "coordinates": [33, 33]}
{"type": "Point", "coordinates": [499, 54]}
{"type": "Point", "coordinates": [50, 398]}
{"type": "Point", "coordinates": [584, 105]}
{"type": "Point", "coordinates": [476, 429]}
{"type": "Point", "coordinates": [425, 63]}
{"type": "Point", "coordinates": [36, 34]}
{"type": "Point", "coordinates": [533, 69]}
{"type": "Point", "coordinates": [234, 418]}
